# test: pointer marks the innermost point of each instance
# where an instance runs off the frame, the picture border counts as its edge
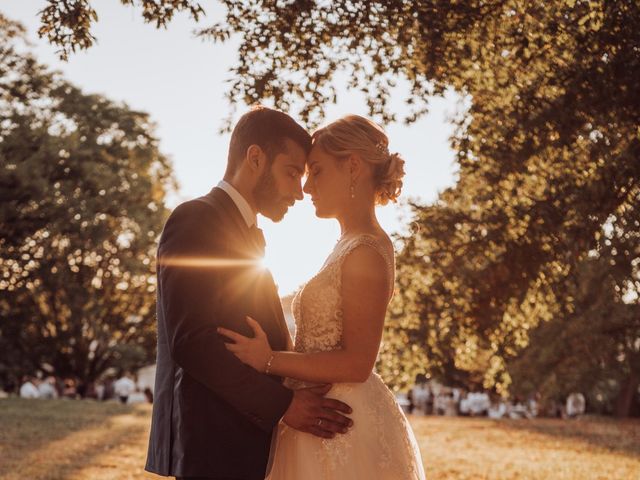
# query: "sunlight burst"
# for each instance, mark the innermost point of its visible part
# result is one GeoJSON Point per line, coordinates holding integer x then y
{"type": "Point", "coordinates": [208, 262]}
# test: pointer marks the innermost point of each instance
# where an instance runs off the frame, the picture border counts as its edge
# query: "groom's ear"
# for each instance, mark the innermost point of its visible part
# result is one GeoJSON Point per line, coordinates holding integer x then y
{"type": "Point", "coordinates": [256, 158]}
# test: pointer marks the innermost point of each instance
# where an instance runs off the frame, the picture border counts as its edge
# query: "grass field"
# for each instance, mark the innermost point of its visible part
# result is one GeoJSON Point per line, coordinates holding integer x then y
{"type": "Point", "coordinates": [57, 439]}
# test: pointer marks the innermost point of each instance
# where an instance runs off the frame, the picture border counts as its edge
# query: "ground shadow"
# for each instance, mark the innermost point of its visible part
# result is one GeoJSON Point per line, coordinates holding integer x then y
{"type": "Point", "coordinates": [618, 436]}
{"type": "Point", "coordinates": [31, 425]}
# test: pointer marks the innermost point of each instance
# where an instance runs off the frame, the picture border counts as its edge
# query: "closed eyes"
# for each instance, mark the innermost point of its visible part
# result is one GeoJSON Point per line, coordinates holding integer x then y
{"type": "Point", "coordinates": [295, 173]}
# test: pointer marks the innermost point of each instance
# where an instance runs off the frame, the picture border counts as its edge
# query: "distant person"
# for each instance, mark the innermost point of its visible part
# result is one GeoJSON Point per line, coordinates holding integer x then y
{"type": "Point", "coordinates": [517, 409]}
{"type": "Point", "coordinates": [149, 394]}
{"type": "Point", "coordinates": [100, 391]}
{"type": "Point", "coordinates": [441, 402]}
{"type": "Point", "coordinates": [81, 389]}
{"type": "Point", "coordinates": [479, 403]}
{"type": "Point", "coordinates": [47, 388]}
{"type": "Point", "coordinates": [450, 405]}
{"type": "Point", "coordinates": [553, 408]}
{"type": "Point", "coordinates": [429, 408]}
{"type": "Point", "coordinates": [91, 391]}
{"type": "Point", "coordinates": [463, 407]}
{"type": "Point", "coordinates": [109, 392]}
{"type": "Point", "coordinates": [410, 402]}
{"type": "Point", "coordinates": [28, 388]}
{"type": "Point", "coordinates": [498, 409]}
{"type": "Point", "coordinates": [69, 389]}
{"type": "Point", "coordinates": [456, 394]}
{"type": "Point", "coordinates": [123, 388]}
{"type": "Point", "coordinates": [532, 406]}
{"type": "Point", "coordinates": [575, 406]}
{"type": "Point", "coordinates": [136, 397]}
{"type": "Point", "coordinates": [420, 394]}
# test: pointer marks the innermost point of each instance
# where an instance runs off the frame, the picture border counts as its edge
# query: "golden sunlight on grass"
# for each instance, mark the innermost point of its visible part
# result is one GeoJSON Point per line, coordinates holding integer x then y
{"type": "Point", "coordinates": [65, 439]}
{"type": "Point", "coordinates": [542, 449]}
{"type": "Point", "coordinates": [85, 440]}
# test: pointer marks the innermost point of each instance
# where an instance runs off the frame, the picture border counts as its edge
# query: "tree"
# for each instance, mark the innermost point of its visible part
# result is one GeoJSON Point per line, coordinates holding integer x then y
{"type": "Point", "coordinates": [594, 346]}
{"type": "Point", "coordinates": [81, 206]}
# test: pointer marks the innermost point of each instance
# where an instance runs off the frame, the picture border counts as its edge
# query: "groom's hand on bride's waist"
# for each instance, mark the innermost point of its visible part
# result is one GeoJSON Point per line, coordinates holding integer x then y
{"type": "Point", "coordinates": [311, 412]}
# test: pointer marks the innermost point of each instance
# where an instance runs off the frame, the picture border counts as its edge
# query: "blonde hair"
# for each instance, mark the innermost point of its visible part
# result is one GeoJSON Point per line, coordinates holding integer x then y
{"type": "Point", "coordinates": [354, 134]}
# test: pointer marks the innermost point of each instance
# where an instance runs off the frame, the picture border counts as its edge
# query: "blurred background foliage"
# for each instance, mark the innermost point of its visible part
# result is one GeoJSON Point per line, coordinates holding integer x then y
{"type": "Point", "coordinates": [524, 276]}
{"type": "Point", "coordinates": [81, 207]}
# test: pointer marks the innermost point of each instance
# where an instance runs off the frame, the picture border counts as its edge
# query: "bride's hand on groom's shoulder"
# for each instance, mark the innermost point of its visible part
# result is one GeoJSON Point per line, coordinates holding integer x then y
{"type": "Point", "coordinates": [255, 351]}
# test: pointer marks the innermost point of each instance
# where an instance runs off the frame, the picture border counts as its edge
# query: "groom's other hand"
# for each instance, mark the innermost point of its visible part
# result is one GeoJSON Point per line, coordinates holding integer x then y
{"type": "Point", "coordinates": [310, 412]}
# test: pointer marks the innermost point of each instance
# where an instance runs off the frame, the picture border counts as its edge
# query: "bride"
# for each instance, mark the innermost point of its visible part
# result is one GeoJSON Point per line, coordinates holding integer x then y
{"type": "Point", "coordinates": [339, 317]}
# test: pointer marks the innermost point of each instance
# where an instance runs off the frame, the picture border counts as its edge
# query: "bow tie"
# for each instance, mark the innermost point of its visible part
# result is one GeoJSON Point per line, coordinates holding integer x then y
{"type": "Point", "coordinates": [258, 238]}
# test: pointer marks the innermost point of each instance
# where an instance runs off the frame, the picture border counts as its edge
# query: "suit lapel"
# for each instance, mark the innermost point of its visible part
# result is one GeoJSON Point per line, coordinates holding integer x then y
{"type": "Point", "coordinates": [265, 289]}
{"type": "Point", "coordinates": [275, 307]}
{"type": "Point", "coordinates": [218, 198]}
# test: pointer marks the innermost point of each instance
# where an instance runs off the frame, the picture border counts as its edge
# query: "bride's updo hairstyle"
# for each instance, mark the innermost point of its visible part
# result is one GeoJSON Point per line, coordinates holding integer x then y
{"type": "Point", "coordinates": [354, 134]}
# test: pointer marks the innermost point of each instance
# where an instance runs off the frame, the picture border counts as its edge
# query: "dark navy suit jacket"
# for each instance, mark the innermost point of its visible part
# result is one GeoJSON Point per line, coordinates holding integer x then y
{"type": "Point", "coordinates": [212, 415]}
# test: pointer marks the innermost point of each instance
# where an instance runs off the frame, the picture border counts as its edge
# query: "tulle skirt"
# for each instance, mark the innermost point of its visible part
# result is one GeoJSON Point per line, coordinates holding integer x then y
{"type": "Point", "coordinates": [379, 446]}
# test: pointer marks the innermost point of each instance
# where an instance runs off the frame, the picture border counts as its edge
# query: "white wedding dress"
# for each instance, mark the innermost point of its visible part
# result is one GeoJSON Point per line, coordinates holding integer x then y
{"type": "Point", "coordinates": [381, 444]}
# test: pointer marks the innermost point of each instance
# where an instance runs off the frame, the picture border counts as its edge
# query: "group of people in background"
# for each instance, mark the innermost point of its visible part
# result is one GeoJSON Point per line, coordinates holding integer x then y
{"type": "Point", "coordinates": [122, 388]}
{"type": "Point", "coordinates": [427, 397]}
{"type": "Point", "coordinates": [433, 398]}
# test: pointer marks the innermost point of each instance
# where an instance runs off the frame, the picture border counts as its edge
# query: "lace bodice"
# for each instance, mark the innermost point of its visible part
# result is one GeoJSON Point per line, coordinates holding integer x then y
{"type": "Point", "coordinates": [317, 307]}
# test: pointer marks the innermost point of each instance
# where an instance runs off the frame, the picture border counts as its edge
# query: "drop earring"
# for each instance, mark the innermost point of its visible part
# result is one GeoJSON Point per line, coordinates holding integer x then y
{"type": "Point", "coordinates": [352, 190]}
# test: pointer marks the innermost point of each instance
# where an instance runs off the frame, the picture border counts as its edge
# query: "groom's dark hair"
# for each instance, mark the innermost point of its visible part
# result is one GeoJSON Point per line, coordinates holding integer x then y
{"type": "Point", "coordinates": [267, 128]}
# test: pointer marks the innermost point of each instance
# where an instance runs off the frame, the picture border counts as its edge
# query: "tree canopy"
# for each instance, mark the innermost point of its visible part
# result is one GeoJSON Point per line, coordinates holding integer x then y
{"type": "Point", "coordinates": [542, 228]}
{"type": "Point", "coordinates": [81, 206]}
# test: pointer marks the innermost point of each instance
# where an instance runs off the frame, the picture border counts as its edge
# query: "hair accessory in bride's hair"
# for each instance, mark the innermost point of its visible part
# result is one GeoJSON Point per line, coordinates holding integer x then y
{"type": "Point", "coordinates": [382, 148]}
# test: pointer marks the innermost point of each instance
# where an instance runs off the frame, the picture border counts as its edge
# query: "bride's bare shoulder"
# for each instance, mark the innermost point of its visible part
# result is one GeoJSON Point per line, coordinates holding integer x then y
{"type": "Point", "coordinates": [365, 267]}
{"type": "Point", "coordinates": [371, 253]}
{"type": "Point", "coordinates": [383, 239]}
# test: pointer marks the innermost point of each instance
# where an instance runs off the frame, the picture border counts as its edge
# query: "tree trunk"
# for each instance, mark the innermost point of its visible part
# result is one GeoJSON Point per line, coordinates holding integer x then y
{"type": "Point", "coordinates": [628, 391]}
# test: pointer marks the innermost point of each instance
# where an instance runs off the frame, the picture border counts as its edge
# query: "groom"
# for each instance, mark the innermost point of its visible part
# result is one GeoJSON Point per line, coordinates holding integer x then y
{"type": "Point", "coordinates": [213, 416]}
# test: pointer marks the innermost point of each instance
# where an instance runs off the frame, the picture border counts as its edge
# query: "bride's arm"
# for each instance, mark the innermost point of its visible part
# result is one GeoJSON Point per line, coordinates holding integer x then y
{"type": "Point", "coordinates": [365, 294]}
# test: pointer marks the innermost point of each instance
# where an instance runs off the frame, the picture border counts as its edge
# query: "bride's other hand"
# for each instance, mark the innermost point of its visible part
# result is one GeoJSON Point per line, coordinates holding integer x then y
{"type": "Point", "coordinates": [255, 352]}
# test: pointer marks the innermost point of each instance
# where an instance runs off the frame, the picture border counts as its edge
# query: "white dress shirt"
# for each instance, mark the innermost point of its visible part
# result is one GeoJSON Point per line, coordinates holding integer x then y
{"type": "Point", "coordinates": [124, 387]}
{"type": "Point", "coordinates": [29, 390]}
{"type": "Point", "coordinates": [245, 209]}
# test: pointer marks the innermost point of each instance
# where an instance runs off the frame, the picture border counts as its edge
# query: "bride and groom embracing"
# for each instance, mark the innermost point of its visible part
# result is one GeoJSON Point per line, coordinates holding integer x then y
{"type": "Point", "coordinates": [235, 396]}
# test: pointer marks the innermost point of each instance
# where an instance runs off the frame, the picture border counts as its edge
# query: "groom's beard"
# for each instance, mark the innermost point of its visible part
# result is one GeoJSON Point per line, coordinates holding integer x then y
{"type": "Point", "coordinates": [267, 197]}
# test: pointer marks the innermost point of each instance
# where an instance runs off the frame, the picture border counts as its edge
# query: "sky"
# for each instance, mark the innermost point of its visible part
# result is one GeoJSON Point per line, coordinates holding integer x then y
{"type": "Point", "coordinates": [180, 81]}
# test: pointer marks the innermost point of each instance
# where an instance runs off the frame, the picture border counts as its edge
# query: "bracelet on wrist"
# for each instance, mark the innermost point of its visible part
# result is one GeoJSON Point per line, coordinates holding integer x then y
{"type": "Point", "coordinates": [267, 369]}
